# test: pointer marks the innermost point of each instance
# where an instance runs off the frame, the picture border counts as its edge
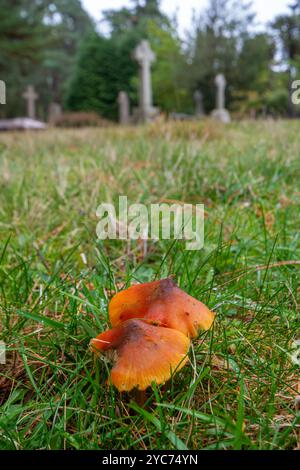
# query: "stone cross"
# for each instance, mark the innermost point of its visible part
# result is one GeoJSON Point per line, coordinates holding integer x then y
{"type": "Point", "coordinates": [124, 112]}
{"type": "Point", "coordinates": [145, 57]}
{"type": "Point", "coordinates": [30, 96]}
{"type": "Point", "coordinates": [220, 113]}
{"type": "Point", "coordinates": [198, 98]}
{"type": "Point", "coordinates": [220, 82]}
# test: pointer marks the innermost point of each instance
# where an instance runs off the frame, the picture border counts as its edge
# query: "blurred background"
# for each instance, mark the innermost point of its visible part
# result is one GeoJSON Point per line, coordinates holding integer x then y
{"type": "Point", "coordinates": [79, 54]}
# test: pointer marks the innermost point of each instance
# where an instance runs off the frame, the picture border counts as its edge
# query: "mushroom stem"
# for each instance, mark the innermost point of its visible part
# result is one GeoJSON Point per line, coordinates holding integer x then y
{"type": "Point", "coordinates": [140, 397]}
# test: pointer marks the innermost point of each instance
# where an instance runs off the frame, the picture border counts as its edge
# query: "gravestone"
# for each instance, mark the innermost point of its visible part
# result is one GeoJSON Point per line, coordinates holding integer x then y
{"type": "Point", "coordinates": [54, 112]}
{"type": "Point", "coordinates": [124, 110]}
{"type": "Point", "coordinates": [221, 113]}
{"type": "Point", "coordinates": [2, 92]}
{"type": "Point", "coordinates": [198, 98]}
{"type": "Point", "coordinates": [145, 57]}
{"type": "Point", "coordinates": [30, 96]}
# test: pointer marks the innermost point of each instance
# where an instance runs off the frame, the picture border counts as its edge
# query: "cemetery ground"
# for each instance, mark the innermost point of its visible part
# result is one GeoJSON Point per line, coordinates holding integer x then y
{"type": "Point", "coordinates": [241, 389]}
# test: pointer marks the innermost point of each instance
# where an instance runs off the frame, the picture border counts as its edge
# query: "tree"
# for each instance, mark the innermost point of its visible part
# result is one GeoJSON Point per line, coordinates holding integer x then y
{"type": "Point", "coordinates": [254, 62]}
{"type": "Point", "coordinates": [69, 25]}
{"type": "Point", "coordinates": [168, 77]}
{"type": "Point", "coordinates": [106, 66]}
{"type": "Point", "coordinates": [23, 35]}
{"type": "Point", "coordinates": [39, 40]}
{"type": "Point", "coordinates": [135, 18]}
{"type": "Point", "coordinates": [103, 69]}
{"type": "Point", "coordinates": [22, 32]}
{"type": "Point", "coordinates": [214, 48]}
{"type": "Point", "coordinates": [225, 42]}
{"type": "Point", "coordinates": [287, 32]}
{"type": "Point", "coordinates": [254, 74]}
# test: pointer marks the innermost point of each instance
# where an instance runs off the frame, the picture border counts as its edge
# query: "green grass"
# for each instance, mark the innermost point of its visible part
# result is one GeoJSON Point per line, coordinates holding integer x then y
{"type": "Point", "coordinates": [241, 386]}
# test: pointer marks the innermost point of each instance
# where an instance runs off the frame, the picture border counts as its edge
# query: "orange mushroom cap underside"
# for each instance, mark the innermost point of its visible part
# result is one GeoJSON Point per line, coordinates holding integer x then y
{"type": "Point", "coordinates": [144, 353]}
{"type": "Point", "coordinates": [164, 303]}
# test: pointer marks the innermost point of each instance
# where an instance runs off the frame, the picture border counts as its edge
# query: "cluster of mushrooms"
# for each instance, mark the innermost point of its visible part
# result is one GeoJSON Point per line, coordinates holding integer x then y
{"type": "Point", "coordinates": [152, 325]}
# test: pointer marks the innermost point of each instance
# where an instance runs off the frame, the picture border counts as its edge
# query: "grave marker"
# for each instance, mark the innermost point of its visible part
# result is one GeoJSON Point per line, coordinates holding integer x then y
{"type": "Point", "coordinates": [30, 96]}
{"type": "Point", "coordinates": [145, 57]}
{"type": "Point", "coordinates": [220, 113]}
{"type": "Point", "coordinates": [124, 110]}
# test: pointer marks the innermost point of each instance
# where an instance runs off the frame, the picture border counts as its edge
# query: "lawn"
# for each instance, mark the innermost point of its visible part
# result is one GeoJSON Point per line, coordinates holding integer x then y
{"type": "Point", "coordinates": [241, 389]}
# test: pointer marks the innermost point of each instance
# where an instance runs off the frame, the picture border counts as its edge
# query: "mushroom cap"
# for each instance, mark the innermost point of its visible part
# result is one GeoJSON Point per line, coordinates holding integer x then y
{"type": "Point", "coordinates": [164, 303]}
{"type": "Point", "coordinates": [144, 353]}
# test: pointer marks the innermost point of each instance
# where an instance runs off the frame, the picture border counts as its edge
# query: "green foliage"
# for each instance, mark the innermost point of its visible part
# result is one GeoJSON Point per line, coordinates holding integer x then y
{"type": "Point", "coordinates": [69, 25]}
{"type": "Point", "coordinates": [104, 68]}
{"type": "Point", "coordinates": [22, 33]}
{"type": "Point", "coordinates": [277, 101]}
{"type": "Point", "coordinates": [254, 62]}
{"type": "Point", "coordinates": [223, 43]}
{"type": "Point", "coordinates": [169, 87]}
{"type": "Point", "coordinates": [23, 37]}
{"type": "Point", "coordinates": [105, 65]}
{"type": "Point", "coordinates": [287, 31]}
{"type": "Point", "coordinates": [135, 18]}
{"type": "Point", "coordinates": [39, 41]}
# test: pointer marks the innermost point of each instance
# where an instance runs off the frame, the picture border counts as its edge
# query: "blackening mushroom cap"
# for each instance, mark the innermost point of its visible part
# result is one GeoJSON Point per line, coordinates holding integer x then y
{"type": "Point", "coordinates": [144, 353]}
{"type": "Point", "coordinates": [163, 303]}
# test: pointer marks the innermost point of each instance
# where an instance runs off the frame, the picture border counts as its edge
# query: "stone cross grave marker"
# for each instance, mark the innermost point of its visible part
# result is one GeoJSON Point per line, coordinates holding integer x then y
{"type": "Point", "coordinates": [145, 57]}
{"type": "Point", "coordinates": [220, 82]}
{"type": "Point", "coordinates": [30, 96]}
{"type": "Point", "coordinates": [220, 113]}
{"type": "Point", "coordinates": [124, 111]}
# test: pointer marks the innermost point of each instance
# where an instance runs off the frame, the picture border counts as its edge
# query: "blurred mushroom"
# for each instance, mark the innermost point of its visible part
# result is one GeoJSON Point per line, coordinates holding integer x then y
{"type": "Point", "coordinates": [163, 303]}
{"type": "Point", "coordinates": [142, 353]}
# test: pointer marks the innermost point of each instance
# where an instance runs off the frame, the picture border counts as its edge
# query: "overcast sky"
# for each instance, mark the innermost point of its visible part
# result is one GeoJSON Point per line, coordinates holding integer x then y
{"type": "Point", "coordinates": [265, 9]}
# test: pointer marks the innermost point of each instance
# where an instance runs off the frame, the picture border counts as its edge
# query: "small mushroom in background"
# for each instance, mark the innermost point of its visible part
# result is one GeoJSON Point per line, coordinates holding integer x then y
{"type": "Point", "coordinates": [162, 302]}
{"type": "Point", "coordinates": [143, 353]}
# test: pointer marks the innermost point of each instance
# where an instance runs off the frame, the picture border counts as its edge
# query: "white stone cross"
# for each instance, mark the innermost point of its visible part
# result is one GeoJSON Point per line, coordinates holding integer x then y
{"type": "Point", "coordinates": [220, 113]}
{"type": "Point", "coordinates": [30, 96]}
{"type": "Point", "coordinates": [220, 82]}
{"type": "Point", "coordinates": [145, 57]}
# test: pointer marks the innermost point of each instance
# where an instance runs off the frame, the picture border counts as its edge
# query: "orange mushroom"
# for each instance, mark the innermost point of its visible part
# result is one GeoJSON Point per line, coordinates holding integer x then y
{"type": "Point", "coordinates": [164, 303]}
{"type": "Point", "coordinates": [143, 353]}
